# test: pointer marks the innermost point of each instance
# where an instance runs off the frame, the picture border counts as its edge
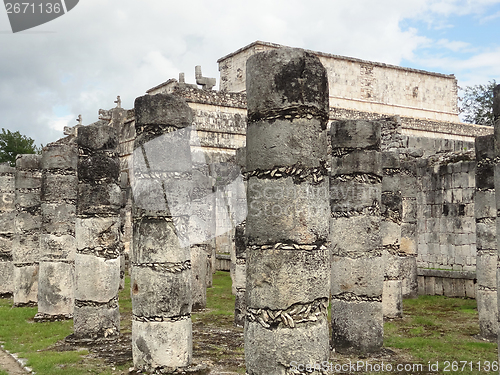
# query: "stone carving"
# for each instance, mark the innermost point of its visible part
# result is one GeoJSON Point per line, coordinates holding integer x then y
{"type": "Point", "coordinates": [287, 260]}
{"type": "Point", "coordinates": [205, 82]}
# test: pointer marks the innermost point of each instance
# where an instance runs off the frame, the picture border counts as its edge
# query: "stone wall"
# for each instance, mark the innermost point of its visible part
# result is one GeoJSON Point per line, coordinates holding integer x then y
{"type": "Point", "coordinates": [364, 85]}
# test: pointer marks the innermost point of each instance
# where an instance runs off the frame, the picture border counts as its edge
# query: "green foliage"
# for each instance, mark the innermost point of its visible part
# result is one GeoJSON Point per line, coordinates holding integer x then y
{"type": "Point", "coordinates": [477, 104]}
{"type": "Point", "coordinates": [14, 143]}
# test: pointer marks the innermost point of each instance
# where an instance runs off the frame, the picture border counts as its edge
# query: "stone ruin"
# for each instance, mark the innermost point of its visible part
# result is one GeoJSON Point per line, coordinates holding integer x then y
{"type": "Point", "coordinates": [312, 199]}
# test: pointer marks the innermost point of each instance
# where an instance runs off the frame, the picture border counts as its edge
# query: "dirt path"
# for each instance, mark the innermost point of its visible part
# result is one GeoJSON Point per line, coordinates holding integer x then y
{"type": "Point", "coordinates": [9, 364]}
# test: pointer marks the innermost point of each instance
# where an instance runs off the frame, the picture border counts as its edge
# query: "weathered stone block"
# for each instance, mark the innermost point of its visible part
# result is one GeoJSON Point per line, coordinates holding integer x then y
{"type": "Point", "coordinates": [346, 196]}
{"type": "Point", "coordinates": [6, 277]}
{"type": "Point", "coordinates": [286, 78]}
{"type": "Point", "coordinates": [409, 276]}
{"type": "Point", "coordinates": [60, 156]}
{"type": "Point", "coordinates": [161, 109]}
{"type": "Point", "coordinates": [392, 299]}
{"type": "Point", "coordinates": [28, 161]}
{"type": "Point", "coordinates": [361, 276]}
{"type": "Point", "coordinates": [390, 159]}
{"type": "Point", "coordinates": [280, 210]}
{"type": "Point", "coordinates": [275, 144]}
{"type": "Point", "coordinates": [486, 236]}
{"type": "Point", "coordinates": [157, 344]}
{"type": "Point", "coordinates": [346, 241]}
{"type": "Point", "coordinates": [26, 248]}
{"type": "Point", "coordinates": [7, 182]}
{"type": "Point", "coordinates": [58, 218]}
{"type": "Point", "coordinates": [97, 232]}
{"type": "Point", "coordinates": [28, 199]}
{"type": "Point", "coordinates": [97, 138]}
{"type": "Point", "coordinates": [390, 232]}
{"type": "Point", "coordinates": [98, 167]}
{"type": "Point", "coordinates": [7, 202]}
{"type": "Point", "coordinates": [484, 204]}
{"type": "Point", "coordinates": [56, 293]}
{"type": "Point", "coordinates": [355, 134]}
{"type": "Point", "coordinates": [103, 199]}
{"type": "Point", "coordinates": [277, 279]}
{"type": "Point", "coordinates": [92, 322]}
{"type": "Point", "coordinates": [488, 313]}
{"type": "Point", "coordinates": [28, 179]}
{"type": "Point", "coordinates": [6, 243]}
{"type": "Point", "coordinates": [156, 241]}
{"type": "Point", "coordinates": [486, 265]}
{"type": "Point", "coordinates": [240, 308]}
{"type": "Point", "coordinates": [97, 279]}
{"type": "Point", "coordinates": [26, 284]}
{"type": "Point", "coordinates": [57, 247]}
{"type": "Point", "coordinates": [7, 226]}
{"type": "Point", "coordinates": [274, 351]}
{"type": "Point", "coordinates": [359, 161]}
{"type": "Point", "coordinates": [56, 187]}
{"type": "Point", "coordinates": [160, 293]}
{"type": "Point", "coordinates": [27, 222]}
{"type": "Point", "coordinates": [239, 280]}
{"type": "Point", "coordinates": [357, 326]}
{"type": "Point", "coordinates": [199, 272]}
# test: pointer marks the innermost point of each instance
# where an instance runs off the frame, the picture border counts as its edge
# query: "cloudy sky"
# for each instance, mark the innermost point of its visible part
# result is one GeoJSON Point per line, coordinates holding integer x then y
{"type": "Point", "coordinates": [81, 61]}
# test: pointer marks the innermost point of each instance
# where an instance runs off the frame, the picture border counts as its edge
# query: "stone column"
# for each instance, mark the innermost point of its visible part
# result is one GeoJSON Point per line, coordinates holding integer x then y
{"type": "Point", "coordinates": [161, 265]}
{"type": "Point", "coordinates": [287, 258]}
{"type": "Point", "coordinates": [97, 261]}
{"type": "Point", "coordinates": [486, 259]}
{"type": "Point", "coordinates": [496, 114]}
{"type": "Point", "coordinates": [391, 207]}
{"type": "Point", "coordinates": [26, 252]}
{"type": "Point", "coordinates": [357, 264]}
{"type": "Point", "coordinates": [7, 214]}
{"type": "Point", "coordinates": [56, 279]}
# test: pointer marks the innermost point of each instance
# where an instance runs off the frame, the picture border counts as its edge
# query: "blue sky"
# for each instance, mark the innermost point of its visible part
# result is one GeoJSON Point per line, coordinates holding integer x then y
{"type": "Point", "coordinates": [79, 63]}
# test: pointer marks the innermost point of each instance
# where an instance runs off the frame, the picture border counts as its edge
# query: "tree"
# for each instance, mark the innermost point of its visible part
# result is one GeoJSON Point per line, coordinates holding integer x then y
{"type": "Point", "coordinates": [477, 104]}
{"type": "Point", "coordinates": [12, 144]}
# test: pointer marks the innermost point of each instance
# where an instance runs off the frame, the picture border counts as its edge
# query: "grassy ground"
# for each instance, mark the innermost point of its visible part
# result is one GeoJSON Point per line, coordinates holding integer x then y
{"type": "Point", "coordinates": [434, 330]}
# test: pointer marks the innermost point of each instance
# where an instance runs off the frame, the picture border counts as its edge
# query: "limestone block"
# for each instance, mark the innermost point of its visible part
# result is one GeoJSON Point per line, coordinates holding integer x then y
{"type": "Point", "coordinates": [355, 134]}
{"type": "Point", "coordinates": [157, 241]}
{"type": "Point", "coordinates": [28, 161]}
{"type": "Point", "coordinates": [7, 201]}
{"type": "Point", "coordinates": [7, 182]}
{"type": "Point", "coordinates": [347, 241]}
{"type": "Point", "coordinates": [103, 199]}
{"type": "Point", "coordinates": [28, 199]}
{"type": "Point", "coordinates": [280, 210]}
{"type": "Point", "coordinates": [26, 248]}
{"type": "Point", "coordinates": [239, 280]}
{"type": "Point", "coordinates": [97, 279]}
{"type": "Point", "coordinates": [199, 272]}
{"type": "Point", "coordinates": [27, 222]}
{"type": "Point", "coordinates": [60, 156]}
{"type": "Point", "coordinates": [408, 238]}
{"type": "Point", "coordinates": [486, 236]}
{"type": "Point", "coordinates": [57, 187]}
{"type": "Point", "coordinates": [56, 293]}
{"type": "Point", "coordinates": [357, 326]}
{"type": "Point", "coordinates": [276, 144]}
{"type": "Point", "coordinates": [392, 299]}
{"type": "Point", "coordinates": [57, 247]}
{"type": "Point", "coordinates": [162, 110]}
{"type": "Point", "coordinates": [28, 179]}
{"type": "Point", "coordinates": [97, 167]}
{"type": "Point", "coordinates": [488, 312]}
{"type": "Point", "coordinates": [390, 159]}
{"type": "Point", "coordinates": [484, 204]}
{"type": "Point", "coordinates": [26, 284]}
{"type": "Point", "coordinates": [486, 266]}
{"type": "Point", "coordinates": [97, 138]}
{"type": "Point", "coordinates": [7, 226]}
{"type": "Point", "coordinates": [348, 196]}
{"type": "Point", "coordinates": [391, 183]}
{"type": "Point", "coordinates": [392, 265]}
{"type": "Point", "coordinates": [6, 243]}
{"type": "Point", "coordinates": [102, 321]}
{"type": "Point", "coordinates": [6, 277]}
{"type": "Point", "coordinates": [160, 293]}
{"type": "Point", "coordinates": [240, 308]}
{"type": "Point", "coordinates": [272, 351]}
{"type": "Point", "coordinates": [286, 78]}
{"type": "Point", "coordinates": [277, 279]}
{"type": "Point", "coordinates": [150, 196]}
{"type": "Point", "coordinates": [361, 276]}
{"type": "Point", "coordinates": [359, 161]}
{"type": "Point", "coordinates": [97, 232]}
{"type": "Point", "coordinates": [390, 232]}
{"type": "Point", "coordinates": [58, 218]}
{"type": "Point", "coordinates": [409, 276]}
{"type": "Point", "coordinates": [157, 344]}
